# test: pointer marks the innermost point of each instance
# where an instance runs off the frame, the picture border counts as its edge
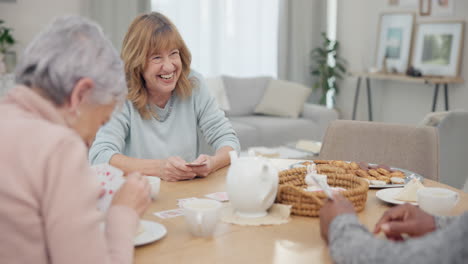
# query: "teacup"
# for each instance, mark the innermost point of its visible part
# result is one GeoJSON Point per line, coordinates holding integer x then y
{"type": "Point", "coordinates": [155, 183]}
{"type": "Point", "coordinates": [437, 201]}
{"type": "Point", "coordinates": [201, 216]}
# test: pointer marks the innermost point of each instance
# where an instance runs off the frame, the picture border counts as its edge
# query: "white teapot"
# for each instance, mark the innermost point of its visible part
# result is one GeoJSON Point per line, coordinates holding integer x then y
{"type": "Point", "coordinates": [252, 183]}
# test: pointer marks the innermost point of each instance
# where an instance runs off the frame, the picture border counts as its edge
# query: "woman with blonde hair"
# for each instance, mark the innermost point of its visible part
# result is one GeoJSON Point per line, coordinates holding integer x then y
{"type": "Point", "coordinates": [69, 78]}
{"type": "Point", "coordinates": [156, 131]}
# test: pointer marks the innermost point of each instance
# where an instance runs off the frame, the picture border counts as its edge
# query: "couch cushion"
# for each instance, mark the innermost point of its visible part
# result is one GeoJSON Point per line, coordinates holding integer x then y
{"type": "Point", "coordinates": [275, 131]}
{"type": "Point", "coordinates": [244, 94]}
{"type": "Point", "coordinates": [283, 98]}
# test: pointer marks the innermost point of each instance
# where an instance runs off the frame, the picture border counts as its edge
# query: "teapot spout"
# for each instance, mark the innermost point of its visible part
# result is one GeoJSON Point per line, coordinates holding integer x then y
{"type": "Point", "coordinates": [233, 155]}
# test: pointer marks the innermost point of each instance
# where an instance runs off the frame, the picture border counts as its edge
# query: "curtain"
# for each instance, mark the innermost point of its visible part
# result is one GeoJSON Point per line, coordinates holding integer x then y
{"type": "Point", "coordinates": [115, 16]}
{"type": "Point", "coordinates": [229, 37]}
{"type": "Point", "coordinates": [300, 25]}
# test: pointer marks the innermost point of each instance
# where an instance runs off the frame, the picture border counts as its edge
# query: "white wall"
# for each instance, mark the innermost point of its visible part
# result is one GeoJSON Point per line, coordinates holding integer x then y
{"type": "Point", "coordinates": [28, 17]}
{"type": "Point", "coordinates": [395, 102]}
{"type": "Point", "coordinates": [114, 16]}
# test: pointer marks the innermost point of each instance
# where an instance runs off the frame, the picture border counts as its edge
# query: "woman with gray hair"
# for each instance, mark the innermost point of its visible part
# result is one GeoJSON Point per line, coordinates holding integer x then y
{"type": "Point", "coordinates": [70, 78]}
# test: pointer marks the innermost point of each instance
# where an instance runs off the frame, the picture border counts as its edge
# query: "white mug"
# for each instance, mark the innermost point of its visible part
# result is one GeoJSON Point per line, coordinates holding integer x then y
{"type": "Point", "coordinates": [155, 183]}
{"type": "Point", "coordinates": [202, 216]}
{"type": "Point", "coordinates": [437, 201]}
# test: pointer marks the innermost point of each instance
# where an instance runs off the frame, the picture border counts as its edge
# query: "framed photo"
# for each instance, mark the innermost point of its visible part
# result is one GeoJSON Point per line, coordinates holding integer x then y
{"type": "Point", "coordinates": [438, 48]}
{"type": "Point", "coordinates": [394, 41]}
{"type": "Point", "coordinates": [443, 7]}
{"type": "Point", "coordinates": [425, 7]}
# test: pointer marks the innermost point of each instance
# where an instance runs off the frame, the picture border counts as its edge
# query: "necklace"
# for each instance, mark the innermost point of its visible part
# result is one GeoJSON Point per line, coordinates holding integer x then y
{"type": "Point", "coordinates": [162, 119]}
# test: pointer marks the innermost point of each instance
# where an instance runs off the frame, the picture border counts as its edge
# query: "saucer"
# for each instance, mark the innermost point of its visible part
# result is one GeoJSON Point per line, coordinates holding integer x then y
{"type": "Point", "coordinates": [387, 195]}
{"type": "Point", "coordinates": [153, 232]}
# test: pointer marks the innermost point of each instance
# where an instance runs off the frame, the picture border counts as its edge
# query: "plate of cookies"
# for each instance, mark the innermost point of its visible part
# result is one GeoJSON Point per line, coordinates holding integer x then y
{"type": "Point", "coordinates": [378, 175]}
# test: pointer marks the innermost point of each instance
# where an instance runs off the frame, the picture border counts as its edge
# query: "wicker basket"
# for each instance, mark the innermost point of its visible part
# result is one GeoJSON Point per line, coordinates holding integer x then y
{"type": "Point", "coordinates": [291, 191]}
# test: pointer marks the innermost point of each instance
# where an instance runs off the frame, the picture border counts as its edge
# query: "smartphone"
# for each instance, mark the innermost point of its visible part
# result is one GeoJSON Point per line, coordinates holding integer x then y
{"type": "Point", "coordinates": [193, 164]}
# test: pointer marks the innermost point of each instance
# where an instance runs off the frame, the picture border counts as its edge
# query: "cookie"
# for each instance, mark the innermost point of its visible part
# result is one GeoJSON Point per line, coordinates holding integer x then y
{"type": "Point", "coordinates": [383, 178]}
{"type": "Point", "coordinates": [364, 165]}
{"type": "Point", "coordinates": [362, 173]}
{"type": "Point", "coordinates": [324, 168]}
{"type": "Point", "coordinates": [374, 173]}
{"type": "Point", "coordinates": [383, 171]}
{"type": "Point", "coordinates": [354, 166]}
{"type": "Point", "coordinates": [321, 161]}
{"type": "Point", "coordinates": [397, 174]}
{"type": "Point", "coordinates": [396, 180]}
{"type": "Point", "coordinates": [377, 182]}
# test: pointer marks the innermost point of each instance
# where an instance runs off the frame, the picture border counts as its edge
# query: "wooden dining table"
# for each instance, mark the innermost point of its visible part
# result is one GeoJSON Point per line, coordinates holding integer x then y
{"type": "Point", "coordinates": [297, 241]}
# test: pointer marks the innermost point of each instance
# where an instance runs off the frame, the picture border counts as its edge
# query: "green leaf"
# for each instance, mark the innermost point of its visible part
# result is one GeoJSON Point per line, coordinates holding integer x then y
{"type": "Point", "coordinates": [10, 40]}
{"type": "Point", "coordinates": [340, 67]}
{"type": "Point", "coordinates": [315, 72]}
{"type": "Point", "coordinates": [325, 75]}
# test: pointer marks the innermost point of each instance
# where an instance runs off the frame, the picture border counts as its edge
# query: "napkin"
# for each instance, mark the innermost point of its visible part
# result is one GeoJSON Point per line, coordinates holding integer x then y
{"type": "Point", "coordinates": [309, 145]}
{"type": "Point", "coordinates": [409, 192]}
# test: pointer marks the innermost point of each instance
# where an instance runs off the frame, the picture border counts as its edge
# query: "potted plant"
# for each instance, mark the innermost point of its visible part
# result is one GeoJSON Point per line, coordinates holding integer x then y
{"type": "Point", "coordinates": [328, 67]}
{"type": "Point", "coordinates": [6, 41]}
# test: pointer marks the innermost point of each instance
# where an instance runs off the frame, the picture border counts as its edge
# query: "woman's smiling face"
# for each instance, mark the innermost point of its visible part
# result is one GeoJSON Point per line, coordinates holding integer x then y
{"type": "Point", "coordinates": [162, 71]}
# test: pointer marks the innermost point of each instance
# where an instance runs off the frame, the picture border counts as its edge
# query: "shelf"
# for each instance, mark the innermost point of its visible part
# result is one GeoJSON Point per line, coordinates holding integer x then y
{"type": "Point", "coordinates": [406, 78]}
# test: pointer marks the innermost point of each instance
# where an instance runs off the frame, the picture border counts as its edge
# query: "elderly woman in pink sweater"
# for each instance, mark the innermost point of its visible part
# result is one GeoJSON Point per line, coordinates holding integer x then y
{"type": "Point", "coordinates": [69, 81]}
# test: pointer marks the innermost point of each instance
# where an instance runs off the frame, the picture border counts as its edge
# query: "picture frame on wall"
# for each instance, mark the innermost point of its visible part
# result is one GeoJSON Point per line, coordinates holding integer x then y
{"type": "Point", "coordinates": [425, 7]}
{"type": "Point", "coordinates": [394, 41]}
{"type": "Point", "coordinates": [442, 7]}
{"type": "Point", "coordinates": [438, 48]}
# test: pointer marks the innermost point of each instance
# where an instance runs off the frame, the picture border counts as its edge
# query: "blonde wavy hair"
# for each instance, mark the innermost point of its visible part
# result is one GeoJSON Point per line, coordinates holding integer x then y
{"type": "Point", "coordinates": [147, 35]}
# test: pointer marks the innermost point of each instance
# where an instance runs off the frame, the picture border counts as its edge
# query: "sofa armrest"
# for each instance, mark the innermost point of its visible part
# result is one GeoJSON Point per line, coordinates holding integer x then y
{"type": "Point", "coordinates": [320, 114]}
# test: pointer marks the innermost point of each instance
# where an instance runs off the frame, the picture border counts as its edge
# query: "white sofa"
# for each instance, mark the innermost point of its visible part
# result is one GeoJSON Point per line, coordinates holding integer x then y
{"type": "Point", "coordinates": [244, 96]}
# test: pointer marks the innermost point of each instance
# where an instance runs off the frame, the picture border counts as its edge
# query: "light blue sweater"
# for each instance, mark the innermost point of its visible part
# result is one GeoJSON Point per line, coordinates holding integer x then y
{"type": "Point", "coordinates": [129, 134]}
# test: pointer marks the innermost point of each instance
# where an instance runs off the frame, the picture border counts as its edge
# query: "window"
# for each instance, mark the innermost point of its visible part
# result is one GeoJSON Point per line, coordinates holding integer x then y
{"type": "Point", "coordinates": [230, 37]}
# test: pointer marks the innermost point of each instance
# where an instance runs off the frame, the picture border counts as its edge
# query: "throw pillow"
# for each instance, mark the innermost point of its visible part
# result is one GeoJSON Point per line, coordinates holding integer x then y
{"type": "Point", "coordinates": [216, 86]}
{"type": "Point", "coordinates": [244, 94]}
{"type": "Point", "coordinates": [283, 98]}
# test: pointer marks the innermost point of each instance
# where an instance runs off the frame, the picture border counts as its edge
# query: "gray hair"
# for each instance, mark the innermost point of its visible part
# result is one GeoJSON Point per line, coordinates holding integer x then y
{"type": "Point", "coordinates": [69, 49]}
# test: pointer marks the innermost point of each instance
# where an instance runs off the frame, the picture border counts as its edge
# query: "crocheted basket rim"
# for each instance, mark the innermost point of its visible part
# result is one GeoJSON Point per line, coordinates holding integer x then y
{"type": "Point", "coordinates": [291, 191]}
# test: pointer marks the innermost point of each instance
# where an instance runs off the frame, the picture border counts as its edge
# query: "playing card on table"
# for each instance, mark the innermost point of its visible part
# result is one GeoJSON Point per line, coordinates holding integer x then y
{"type": "Point", "coordinates": [110, 180]}
{"type": "Point", "coordinates": [169, 213]}
{"type": "Point", "coordinates": [180, 202]}
{"type": "Point", "coordinates": [218, 196]}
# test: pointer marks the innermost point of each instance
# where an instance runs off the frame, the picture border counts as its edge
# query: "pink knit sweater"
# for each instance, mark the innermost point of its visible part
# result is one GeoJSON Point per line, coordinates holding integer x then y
{"type": "Point", "coordinates": [48, 193]}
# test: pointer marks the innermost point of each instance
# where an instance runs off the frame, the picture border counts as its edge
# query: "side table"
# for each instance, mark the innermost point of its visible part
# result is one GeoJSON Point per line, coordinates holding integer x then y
{"type": "Point", "coordinates": [430, 80]}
